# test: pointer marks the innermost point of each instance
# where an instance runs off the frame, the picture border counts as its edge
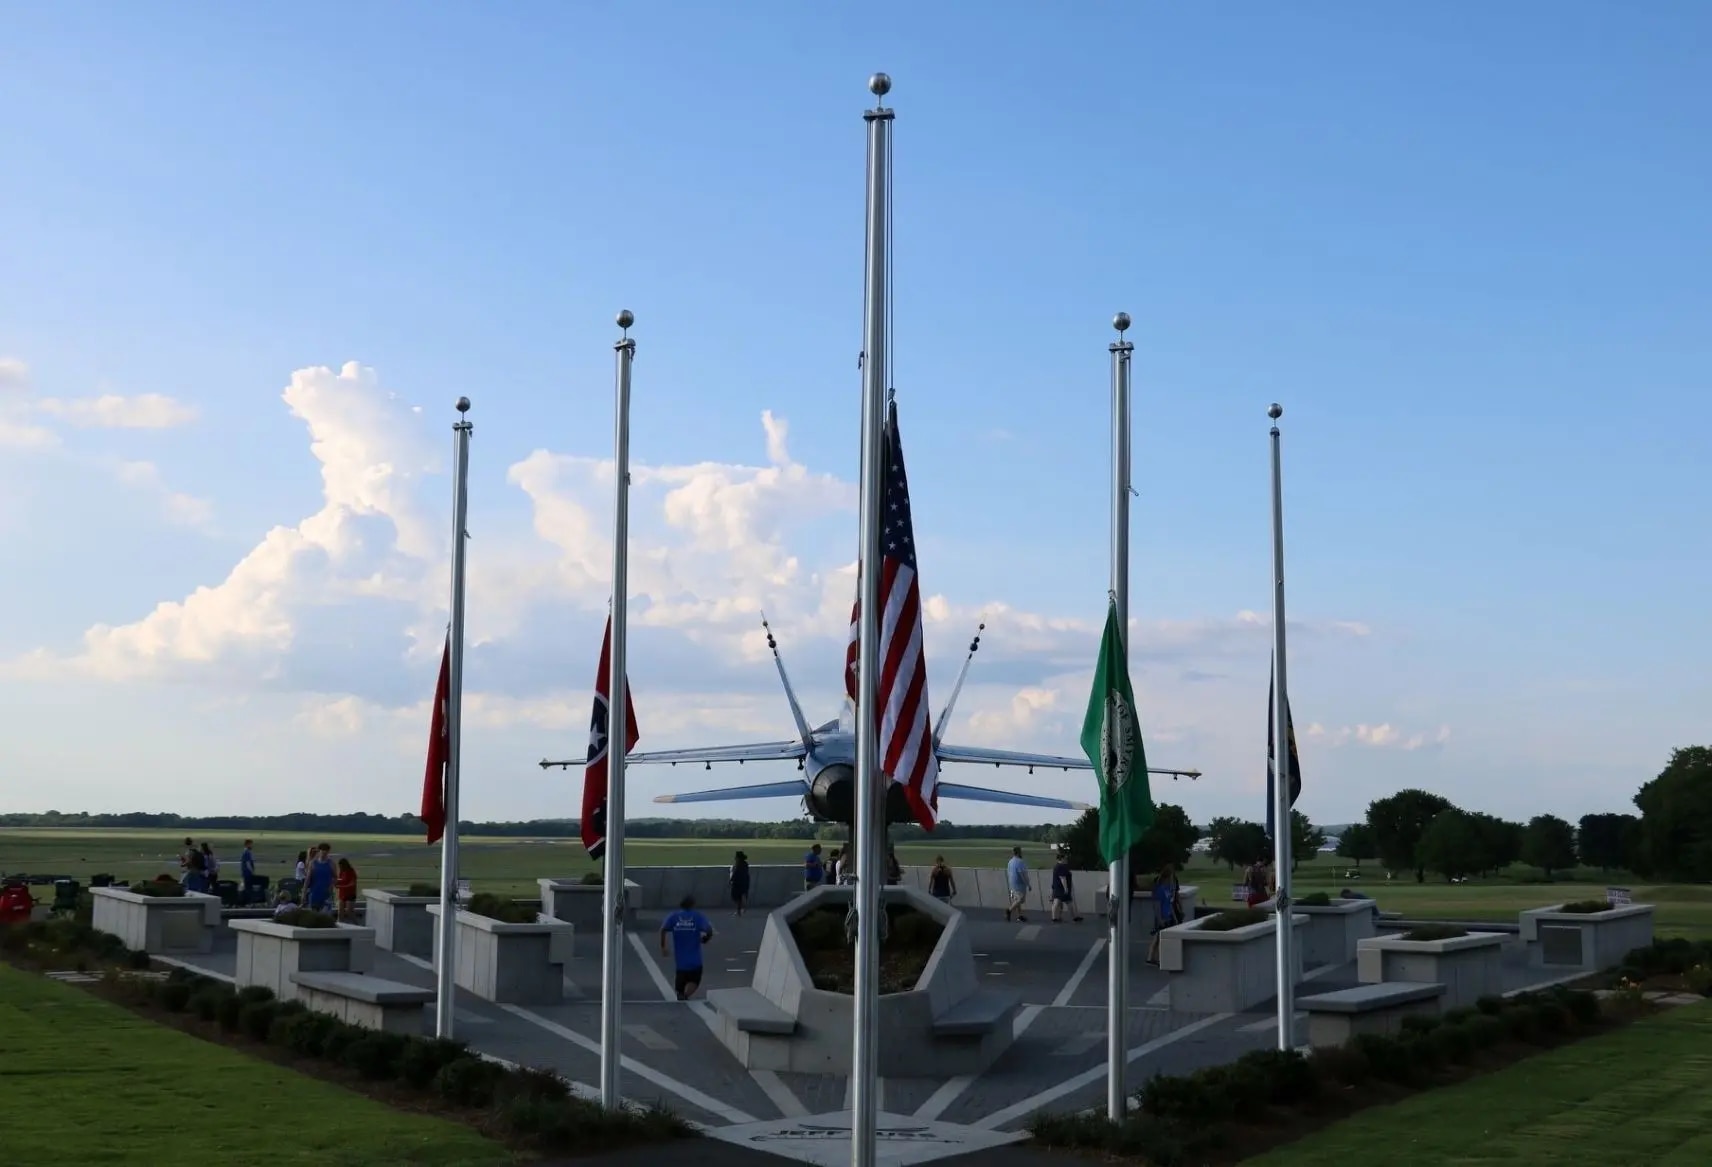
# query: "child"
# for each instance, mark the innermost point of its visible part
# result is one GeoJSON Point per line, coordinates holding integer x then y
{"type": "Point", "coordinates": [346, 884]}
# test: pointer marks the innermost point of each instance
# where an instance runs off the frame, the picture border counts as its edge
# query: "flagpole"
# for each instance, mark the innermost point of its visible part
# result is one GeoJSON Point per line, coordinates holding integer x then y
{"type": "Point", "coordinates": [870, 804]}
{"type": "Point", "coordinates": [1281, 823]}
{"type": "Point", "coordinates": [447, 941]}
{"type": "Point", "coordinates": [1117, 958]}
{"type": "Point", "coordinates": [617, 733]}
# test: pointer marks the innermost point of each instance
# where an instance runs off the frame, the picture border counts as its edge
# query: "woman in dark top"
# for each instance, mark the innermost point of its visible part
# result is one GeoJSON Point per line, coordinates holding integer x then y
{"type": "Point", "coordinates": [1063, 890]}
{"type": "Point", "coordinates": [740, 882]}
{"type": "Point", "coordinates": [940, 885]}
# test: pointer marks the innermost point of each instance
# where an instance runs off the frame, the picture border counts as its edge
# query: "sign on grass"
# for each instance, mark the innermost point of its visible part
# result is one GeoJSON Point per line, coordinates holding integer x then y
{"type": "Point", "coordinates": [1617, 897]}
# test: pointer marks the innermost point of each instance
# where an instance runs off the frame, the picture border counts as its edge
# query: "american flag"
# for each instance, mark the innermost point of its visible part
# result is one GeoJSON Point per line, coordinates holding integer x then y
{"type": "Point", "coordinates": [906, 734]}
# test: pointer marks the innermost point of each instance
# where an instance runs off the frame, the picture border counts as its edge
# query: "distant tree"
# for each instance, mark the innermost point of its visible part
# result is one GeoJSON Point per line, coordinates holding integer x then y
{"type": "Point", "coordinates": [1500, 843]}
{"type": "Point", "coordinates": [1452, 845]}
{"type": "Point", "coordinates": [1240, 843]}
{"type": "Point", "coordinates": [1674, 840]}
{"type": "Point", "coordinates": [1082, 841]}
{"type": "Point", "coordinates": [1305, 838]}
{"type": "Point", "coordinates": [1169, 840]}
{"type": "Point", "coordinates": [1218, 835]}
{"type": "Point", "coordinates": [1398, 823]}
{"type": "Point", "coordinates": [1602, 840]}
{"type": "Point", "coordinates": [1357, 843]}
{"type": "Point", "coordinates": [1549, 844]}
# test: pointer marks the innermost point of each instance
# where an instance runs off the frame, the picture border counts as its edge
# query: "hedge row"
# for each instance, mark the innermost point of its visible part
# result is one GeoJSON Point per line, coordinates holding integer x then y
{"type": "Point", "coordinates": [1182, 1119]}
{"type": "Point", "coordinates": [531, 1107]}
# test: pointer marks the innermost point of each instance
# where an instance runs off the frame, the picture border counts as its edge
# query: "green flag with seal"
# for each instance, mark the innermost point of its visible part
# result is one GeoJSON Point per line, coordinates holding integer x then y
{"type": "Point", "coordinates": [1111, 737]}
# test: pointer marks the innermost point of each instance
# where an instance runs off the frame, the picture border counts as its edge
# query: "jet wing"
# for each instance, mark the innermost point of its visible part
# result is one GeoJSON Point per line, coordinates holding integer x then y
{"type": "Point", "coordinates": [754, 752]}
{"type": "Point", "coordinates": [981, 794]}
{"type": "Point", "coordinates": [793, 788]}
{"type": "Point", "coordinates": [981, 756]}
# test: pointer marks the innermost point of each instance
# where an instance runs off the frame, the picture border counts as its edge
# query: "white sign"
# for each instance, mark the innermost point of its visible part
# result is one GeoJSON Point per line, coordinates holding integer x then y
{"type": "Point", "coordinates": [1617, 897]}
{"type": "Point", "coordinates": [1239, 893]}
{"type": "Point", "coordinates": [463, 890]}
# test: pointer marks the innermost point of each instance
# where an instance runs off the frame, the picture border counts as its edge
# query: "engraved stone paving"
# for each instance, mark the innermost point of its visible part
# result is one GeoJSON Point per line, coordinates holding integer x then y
{"type": "Point", "coordinates": [1057, 1062]}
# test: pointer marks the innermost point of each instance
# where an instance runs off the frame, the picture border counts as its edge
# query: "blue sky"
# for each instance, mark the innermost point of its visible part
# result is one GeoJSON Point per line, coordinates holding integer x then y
{"type": "Point", "coordinates": [1465, 246]}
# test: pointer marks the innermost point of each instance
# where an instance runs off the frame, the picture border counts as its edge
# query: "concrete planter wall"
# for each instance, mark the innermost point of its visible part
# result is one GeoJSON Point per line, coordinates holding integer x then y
{"type": "Point", "coordinates": [268, 953]}
{"type": "Point", "coordinates": [157, 925]}
{"type": "Point", "coordinates": [1335, 929]}
{"type": "Point", "coordinates": [1225, 972]}
{"type": "Point", "coordinates": [1469, 967]}
{"type": "Point", "coordinates": [1591, 940]}
{"type": "Point", "coordinates": [583, 905]}
{"type": "Point", "coordinates": [820, 1043]}
{"type": "Point", "coordinates": [401, 922]}
{"type": "Point", "coordinates": [514, 964]}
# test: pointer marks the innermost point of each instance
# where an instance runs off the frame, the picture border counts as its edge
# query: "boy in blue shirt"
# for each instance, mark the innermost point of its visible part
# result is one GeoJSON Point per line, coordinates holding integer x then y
{"type": "Point", "coordinates": [689, 930]}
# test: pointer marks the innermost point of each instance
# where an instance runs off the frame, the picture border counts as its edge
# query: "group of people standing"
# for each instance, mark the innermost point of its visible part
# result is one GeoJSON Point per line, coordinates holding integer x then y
{"type": "Point", "coordinates": [319, 882]}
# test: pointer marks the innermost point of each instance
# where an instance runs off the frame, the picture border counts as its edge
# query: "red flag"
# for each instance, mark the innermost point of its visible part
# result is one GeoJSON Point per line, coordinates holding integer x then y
{"type": "Point", "coordinates": [593, 822]}
{"type": "Point", "coordinates": [439, 752]}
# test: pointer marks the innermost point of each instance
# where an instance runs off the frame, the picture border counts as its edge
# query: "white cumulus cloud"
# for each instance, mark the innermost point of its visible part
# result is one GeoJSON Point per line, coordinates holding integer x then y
{"type": "Point", "coordinates": [146, 411]}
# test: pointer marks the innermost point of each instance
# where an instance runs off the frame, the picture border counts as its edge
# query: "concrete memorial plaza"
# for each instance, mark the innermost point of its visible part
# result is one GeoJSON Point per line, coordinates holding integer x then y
{"type": "Point", "coordinates": [1057, 1061]}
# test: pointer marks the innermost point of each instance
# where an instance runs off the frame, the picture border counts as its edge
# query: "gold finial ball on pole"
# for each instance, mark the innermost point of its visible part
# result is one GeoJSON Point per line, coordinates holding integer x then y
{"type": "Point", "coordinates": [880, 84]}
{"type": "Point", "coordinates": [626, 318]}
{"type": "Point", "coordinates": [1275, 411]}
{"type": "Point", "coordinates": [1121, 322]}
{"type": "Point", "coordinates": [463, 405]}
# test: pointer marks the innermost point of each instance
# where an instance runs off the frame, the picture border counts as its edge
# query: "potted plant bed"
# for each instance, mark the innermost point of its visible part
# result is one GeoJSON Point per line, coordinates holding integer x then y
{"type": "Point", "coordinates": [1468, 964]}
{"type": "Point", "coordinates": [269, 951]}
{"type": "Point", "coordinates": [158, 917]}
{"type": "Point", "coordinates": [581, 902]}
{"type": "Point", "coordinates": [400, 919]}
{"type": "Point", "coordinates": [509, 954]}
{"type": "Point", "coordinates": [1334, 928]}
{"type": "Point", "coordinates": [1226, 962]}
{"type": "Point", "coordinates": [1589, 934]}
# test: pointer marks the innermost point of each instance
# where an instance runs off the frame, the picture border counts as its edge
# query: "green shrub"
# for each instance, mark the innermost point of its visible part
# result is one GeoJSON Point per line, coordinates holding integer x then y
{"type": "Point", "coordinates": [1458, 1015]}
{"type": "Point", "coordinates": [250, 994]}
{"type": "Point", "coordinates": [914, 929]}
{"type": "Point", "coordinates": [1586, 907]}
{"type": "Point", "coordinates": [374, 1055]}
{"type": "Point", "coordinates": [1521, 1023]}
{"type": "Point", "coordinates": [1456, 1043]}
{"type": "Point", "coordinates": [1486, 1030]}
{"type": "Point", "coordinates": [423, 1057]}
{"type": "Point", "coordinates": [468, 1081]}
{"type": "Point", "coordinates": [1699, 979]}
{"type": "Point", "coordinates": [256, 1018]}
{"type": "Point", "coordinates": [1196, 1099]}
{"type": "Point", "coordinates": [1342, 1065]}
{"type": "Point", "coordinates": [1490, 1005]}
{"type": "Point", "coordinates": [1315, 899]}
{"type": "Point", "coordinates": [1582, 1005]}
{"type": "Point", "coordinates": [1434, 932]}
{"type": "Point", "coordinates": [205, 1003]}
{"type": "Point", "coordinates": [137, 960]}
{"type": "Point", "coordinates": [531, 1082]}
{"type": "Point", "coordinates": [341, 1035]}
{"type": "Point", "coordinates": [498, 908]}
{"type": "Point", "coordinates": [162, 886]}
{"type": "Point", "coordinates": [821, 930]}
{"type": "Point", "coordinates": [423, 889]}
{"type": "Point", "coordinates": [304, 918]}
{"type": "Point", "coordinates": [173, 996]}
{"type": "Point", "coordinates": [1232, 918]}
{"type": "Point", "coordinates": [593, 879]}
{"type": "Point", "coordinates": [1287, 1077]}
{"type": "Point", "coordinates": [228, 1012]}
{"type": "Point", "coordinates": [1389, 1058]}
{"type": "Point", "coordinates": [1551, 1016]}
{"type": "Point", "coordinates": [304, 1033]}
{"type": "Point", "coordinates": [1419, 1023]}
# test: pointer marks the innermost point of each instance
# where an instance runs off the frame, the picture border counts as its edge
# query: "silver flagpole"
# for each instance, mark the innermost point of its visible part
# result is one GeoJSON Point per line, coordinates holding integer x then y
{"type": "Point", "coordinates": [617, 734]}
{"type": "Point", "coordinates": [1117, 959]}
{"type": "Point", "coordinates": [870, 804]}
{"type": "Point", "coordinates": [447, 941]}
{"type": "Point", "coordinates": [1281, 827]}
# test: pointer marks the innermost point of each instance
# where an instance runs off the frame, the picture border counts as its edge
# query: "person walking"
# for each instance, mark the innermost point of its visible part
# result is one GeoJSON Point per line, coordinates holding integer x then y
{"type": "Point", "coordinates": [1063, 889]}
{"type": "Point", "coordinates": [814, 869]}
{"type": "Point", "coordinates": [247, 872]}
{"type": "Point", "coordinates": [740, 882]}
{"type": "Point", "coordinates": [1016, 876]}
{"type": "Point", "coordinates": [941, 884]}
{"type": "Point", "coordinates": [689, 930]}
{"type": "Point", "coordinates": [318, 895]}
{"type": "Point", "coordinates": [1167, 908]}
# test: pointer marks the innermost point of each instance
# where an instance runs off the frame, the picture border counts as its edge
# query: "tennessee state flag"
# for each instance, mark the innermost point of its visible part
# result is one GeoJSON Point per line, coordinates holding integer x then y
{"type": "Point", "coordinates": [439, 752]}
{"type": "Point", "coordinates": [593, 822]}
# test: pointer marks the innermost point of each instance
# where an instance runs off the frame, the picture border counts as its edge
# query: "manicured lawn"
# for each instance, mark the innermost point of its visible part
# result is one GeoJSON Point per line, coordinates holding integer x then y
{"type": "Point", "coordinates": [84, 1081]}
{"type": "Point", "coordinates": [1637, 1096]}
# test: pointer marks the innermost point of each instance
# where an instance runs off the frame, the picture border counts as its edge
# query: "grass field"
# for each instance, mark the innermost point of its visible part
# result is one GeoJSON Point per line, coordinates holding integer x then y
{"type": "Point", "coordinates": [85, 1081]}
{"type": "Point", "coordinates": [1635, 1096]}
{"type": "Point", "coordinates": [511, 866]}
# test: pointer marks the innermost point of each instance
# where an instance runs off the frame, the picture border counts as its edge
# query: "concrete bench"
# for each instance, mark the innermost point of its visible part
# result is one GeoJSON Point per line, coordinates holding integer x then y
{"type": "Point", "coordinates": [976, 1015]}
{"type": "Point", "coordinates": [752, 1012]}
{"type": "Point", "coordinates": [1334, 1018]}
{"type": "Point", "coordinates": [360, 999]}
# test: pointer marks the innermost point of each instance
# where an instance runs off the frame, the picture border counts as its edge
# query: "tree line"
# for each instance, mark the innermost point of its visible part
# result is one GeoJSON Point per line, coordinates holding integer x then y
{"type": "Point", "coordinates": [364, 823]}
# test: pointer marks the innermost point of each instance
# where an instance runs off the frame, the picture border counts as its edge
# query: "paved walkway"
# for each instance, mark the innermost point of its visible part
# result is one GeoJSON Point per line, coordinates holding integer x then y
{"type": "Point", "coordinates": [671, 1055]}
